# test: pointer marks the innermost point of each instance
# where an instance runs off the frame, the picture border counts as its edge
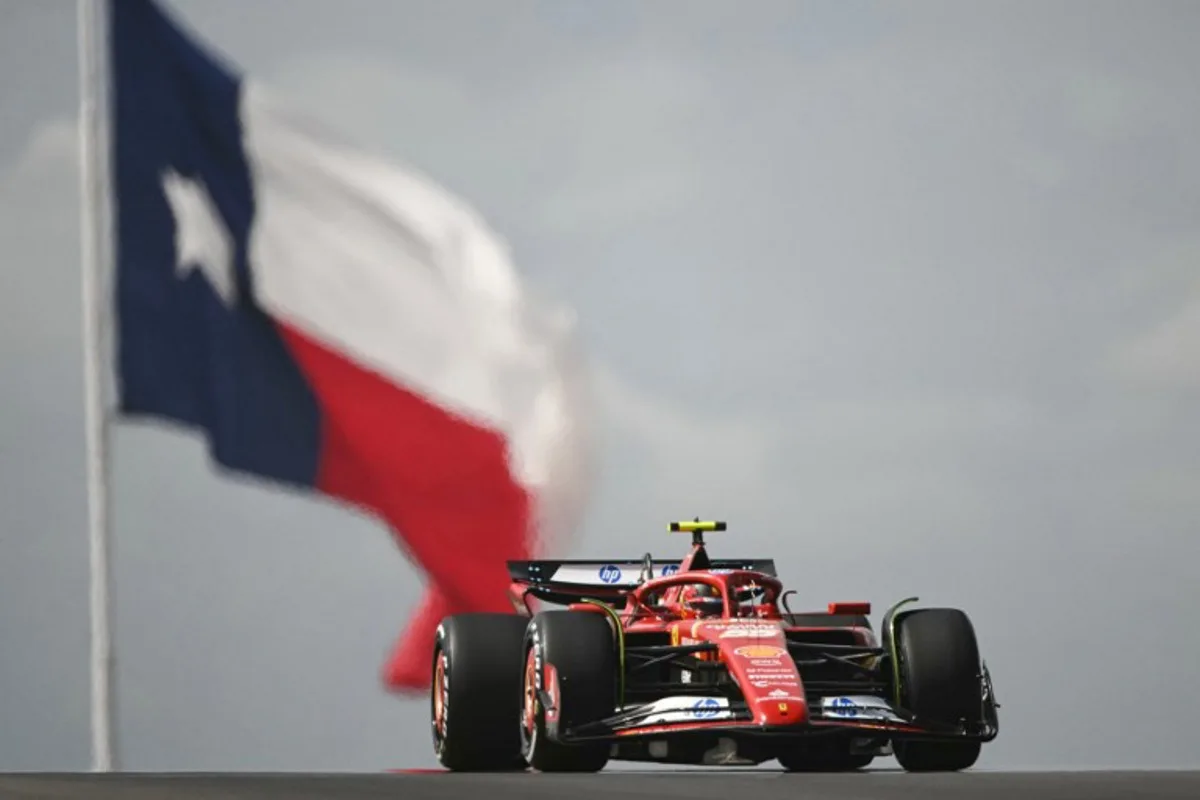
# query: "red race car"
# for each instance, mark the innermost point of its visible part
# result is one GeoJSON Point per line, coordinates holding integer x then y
{"type": "Point", "coordinates": [702, 662]}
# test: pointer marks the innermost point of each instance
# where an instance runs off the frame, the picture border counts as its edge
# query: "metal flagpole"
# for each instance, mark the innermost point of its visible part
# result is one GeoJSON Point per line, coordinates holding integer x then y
{"type": "Point", "coordinates": [92, 136]}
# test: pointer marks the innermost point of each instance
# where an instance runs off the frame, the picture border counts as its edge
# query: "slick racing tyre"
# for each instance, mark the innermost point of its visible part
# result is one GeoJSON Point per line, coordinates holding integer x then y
{"type": "Point", "coordinates": [475, 692]}
{"type": "Point", "coordinates": [843, 761]}
{"type": "Point", "coordinates": [939, 682]}
{"type": "Point", "coordinates": [570, 659]}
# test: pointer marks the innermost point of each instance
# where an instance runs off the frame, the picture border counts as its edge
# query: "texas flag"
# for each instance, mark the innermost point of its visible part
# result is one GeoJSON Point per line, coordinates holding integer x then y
{"type": "Point", "coordinates": [334, 321]}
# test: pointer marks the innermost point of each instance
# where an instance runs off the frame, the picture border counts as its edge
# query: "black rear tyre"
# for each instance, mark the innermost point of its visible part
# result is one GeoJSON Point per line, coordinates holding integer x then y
{"type": "Point", "coordinates": [578, 649]}
{"type": "Point", "coordinates": [839, 762]}
{"type": "Point", "coordinates": [940, 682]}
{"type": "Point", "coordinates": [475, 692]}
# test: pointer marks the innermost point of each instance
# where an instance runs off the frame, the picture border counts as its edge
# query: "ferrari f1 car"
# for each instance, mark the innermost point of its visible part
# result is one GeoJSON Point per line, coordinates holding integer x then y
{"type": "Point", "coordinates": [702, 662]}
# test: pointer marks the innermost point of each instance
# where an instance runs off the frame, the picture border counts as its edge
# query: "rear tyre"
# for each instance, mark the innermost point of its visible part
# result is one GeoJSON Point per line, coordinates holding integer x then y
{"type": "Point", "coordinates": [939, 682]}
{"type": "Point", "coordinates": [570, 658]}
{"type": "Point", "coordinates": [475, 692]}
{"type": "Point", "coordinates": [841, 762]}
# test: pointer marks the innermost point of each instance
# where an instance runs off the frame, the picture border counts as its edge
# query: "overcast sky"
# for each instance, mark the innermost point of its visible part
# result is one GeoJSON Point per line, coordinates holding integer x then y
{"type": "Point", "coordinates": [907, 292]}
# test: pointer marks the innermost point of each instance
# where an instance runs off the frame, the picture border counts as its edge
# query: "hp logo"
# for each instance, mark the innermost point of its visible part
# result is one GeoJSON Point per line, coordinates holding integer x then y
{"type": "Point", "coordinates": [708, 707]}
{"type": "Point", "coordinates": [610, 573]}
{"type": "Point", "coordinates": [843, 707]}
{"type": "Point", "coordinates": [670, 569]}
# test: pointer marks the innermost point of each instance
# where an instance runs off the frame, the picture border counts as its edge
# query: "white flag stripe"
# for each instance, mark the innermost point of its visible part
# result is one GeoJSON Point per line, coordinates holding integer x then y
{"type": "Point", "coordinates": [401, 277]}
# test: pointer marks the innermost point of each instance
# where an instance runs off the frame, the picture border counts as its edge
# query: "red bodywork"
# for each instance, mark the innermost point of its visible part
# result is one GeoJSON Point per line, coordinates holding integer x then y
{"type": "Point", "coordinates": [750, 641]}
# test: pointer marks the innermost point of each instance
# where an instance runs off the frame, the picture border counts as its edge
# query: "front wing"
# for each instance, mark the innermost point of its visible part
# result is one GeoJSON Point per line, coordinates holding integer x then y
{"type": "Point", "coordinates": [693, 714]}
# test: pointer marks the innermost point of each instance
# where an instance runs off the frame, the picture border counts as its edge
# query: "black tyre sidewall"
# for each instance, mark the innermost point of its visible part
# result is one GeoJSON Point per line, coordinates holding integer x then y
{"type": "Point", "coordinates": [939, 681]}
{"type": "Point", "coordinates": [483, 655]}
{"type": "Point", "coordinates": [581, 647]}
{"type": "Point", "coordinates": [840, 763]}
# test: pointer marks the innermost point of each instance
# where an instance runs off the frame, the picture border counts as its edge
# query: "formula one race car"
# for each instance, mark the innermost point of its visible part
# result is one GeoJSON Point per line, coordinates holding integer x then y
{"type": "Point", "coordinates": [695, 663]}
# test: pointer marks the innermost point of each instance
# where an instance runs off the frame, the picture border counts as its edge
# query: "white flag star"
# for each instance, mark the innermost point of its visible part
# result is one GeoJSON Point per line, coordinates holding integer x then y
{"type": "Point", "coordinates": [202, 240]}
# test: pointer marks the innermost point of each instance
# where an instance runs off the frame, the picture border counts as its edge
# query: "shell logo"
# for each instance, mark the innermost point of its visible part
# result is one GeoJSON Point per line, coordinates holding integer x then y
{"type": "Point", "coordinates": [760, 651]}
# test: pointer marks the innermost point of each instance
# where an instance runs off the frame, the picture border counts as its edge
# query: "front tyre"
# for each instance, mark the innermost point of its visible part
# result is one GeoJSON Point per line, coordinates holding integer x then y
{"type": "Point", "coordinates": [474, 693]}
{"type": "Point", "coordinates": [570, 660]}
{"type": "Point", "coordinates": [940, 682]}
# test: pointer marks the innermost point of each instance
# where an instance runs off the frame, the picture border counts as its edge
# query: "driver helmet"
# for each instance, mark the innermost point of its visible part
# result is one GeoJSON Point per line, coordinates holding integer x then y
{"type": "Point", "coordinates": [701, 600]}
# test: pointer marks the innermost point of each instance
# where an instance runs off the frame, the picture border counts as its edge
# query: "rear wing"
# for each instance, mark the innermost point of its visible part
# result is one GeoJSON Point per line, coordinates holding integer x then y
{"type": "Point", "coordinates": [569, 575]}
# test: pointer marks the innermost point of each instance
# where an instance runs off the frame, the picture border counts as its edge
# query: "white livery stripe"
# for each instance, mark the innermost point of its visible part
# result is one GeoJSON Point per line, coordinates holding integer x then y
{"type": "Point", "coordinates": [612, 573]}
{"type": "Point", "coordinates": [859, 707]}
{"type": "Point", "coordinates": [685, 709]}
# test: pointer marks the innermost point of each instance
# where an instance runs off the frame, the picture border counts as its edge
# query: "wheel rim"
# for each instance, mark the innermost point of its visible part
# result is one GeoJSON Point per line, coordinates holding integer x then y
{"type": "Point", "coordinates": [441, 701]}
{"type": "Point", "coordinates": [529, 705]}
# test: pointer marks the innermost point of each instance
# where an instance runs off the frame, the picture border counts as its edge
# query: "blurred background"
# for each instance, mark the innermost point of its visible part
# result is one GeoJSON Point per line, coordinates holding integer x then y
{"type": "Point", "coordinates": [906, 292]}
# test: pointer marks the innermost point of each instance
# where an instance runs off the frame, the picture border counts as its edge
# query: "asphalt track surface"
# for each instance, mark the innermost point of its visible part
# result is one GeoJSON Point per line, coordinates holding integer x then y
{"type": "Point", "coordinates": [726, 784]}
